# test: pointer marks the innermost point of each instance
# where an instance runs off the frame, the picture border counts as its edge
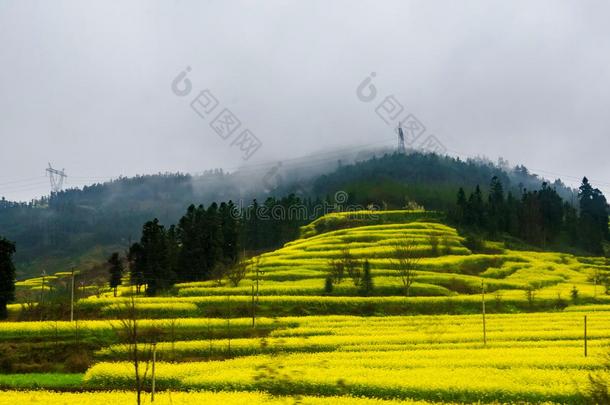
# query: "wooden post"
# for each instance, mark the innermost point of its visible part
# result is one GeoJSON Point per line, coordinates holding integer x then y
{"type": "Point", "coordinates": [253, 309]}
{"type": "Point", "coordinates": [72, 297]}
{"type": "Point", "coordinates": [257, 275]}
{"type": "Point", "coordinates": [44, 273]}
{"type": "Point", "coordinates": [229, 323]}
{"type": "Point", "coordinates": [585, 335]}
{"type": "Point", "coordinates": [483, 310]}
{"type": "Point", "coordinates": [154, 360]}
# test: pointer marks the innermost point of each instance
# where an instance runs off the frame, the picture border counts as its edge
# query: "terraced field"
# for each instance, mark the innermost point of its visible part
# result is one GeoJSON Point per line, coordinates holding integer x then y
{"type": "Point", "coordinates": [299, 342]}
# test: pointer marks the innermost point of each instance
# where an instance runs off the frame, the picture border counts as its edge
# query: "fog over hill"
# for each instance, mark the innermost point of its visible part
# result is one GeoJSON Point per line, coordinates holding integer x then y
{"type": "Point", "coordinates": [105, 216]}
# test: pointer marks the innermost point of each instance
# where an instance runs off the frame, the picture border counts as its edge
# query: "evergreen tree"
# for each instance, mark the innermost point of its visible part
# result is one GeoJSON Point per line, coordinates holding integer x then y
{"type": "Point", "coordinates": [136, 266]}
{"type": "Point", "coordinates": [459, 212]}
{"type": "Point", "coordinates": [570, 223]}
{"type": "Point", "coordinates": [551, 208]}
{"type": "Point", "coordinates": [230, 232]}
{"type": "Point", "coordinates": [475, 212]}
{"type": "Point", "coordinates": [366, 284]}
{"type": "Point", "coordinates": [530, 218]}
{"type": "Point", "coordinates": [252, 237]}
{"type": "Point", "coordinates": [496, 211]}
{"type": "Point", "coordinates": [173, 251]}
{"type": "Point", "coordinates": [512, 214]}
{"type": "Point", "coordinates": [214, 239]}
{"type": "Point", "coordinates": [156, 269]}
{"type": "Point", "coordinates": [592, 215]}
{"type": "Point", "coordinates": [191, 235]}
{"type": "Point", "coordinates": [7, 275]}
{"type": "Point", "coordinates": [115, 268]}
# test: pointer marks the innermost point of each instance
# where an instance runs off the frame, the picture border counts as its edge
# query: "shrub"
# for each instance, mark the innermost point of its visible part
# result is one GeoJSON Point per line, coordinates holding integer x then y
{"type": "Point", "coordinates": [328, 285]}
{"type": "Point", "coordinates": [366, 284]}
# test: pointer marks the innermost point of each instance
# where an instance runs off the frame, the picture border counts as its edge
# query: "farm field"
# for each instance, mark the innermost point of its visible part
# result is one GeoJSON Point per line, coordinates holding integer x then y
{"type": "Point", "coordinates": [295, 340]}
{"type": "Point", "coordinates": [286, 202]}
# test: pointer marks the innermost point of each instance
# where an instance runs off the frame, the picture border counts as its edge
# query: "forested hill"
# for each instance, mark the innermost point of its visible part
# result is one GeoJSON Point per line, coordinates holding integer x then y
{"type": "Point", "coordinates": [80, 225]}
{"type": "Point", "coordinates": [426, 179]}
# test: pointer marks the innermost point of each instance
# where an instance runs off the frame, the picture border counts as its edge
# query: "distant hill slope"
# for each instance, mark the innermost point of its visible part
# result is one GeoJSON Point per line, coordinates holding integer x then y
{"type": "Point", "coordinates": [447, 276]}
{"type": "Point", "coordinates": [428, 179]}
{"type": "Point", "coordinates": [80, 225]}
{"type": "Point", "coordinates": [446, 267]}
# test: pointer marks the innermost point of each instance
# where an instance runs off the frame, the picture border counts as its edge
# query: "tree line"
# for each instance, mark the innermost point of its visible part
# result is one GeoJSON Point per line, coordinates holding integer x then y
{"type": "Point", "coordinates": [208, 243]}
{"type": "Point", "coordinates": [7, 275]}
{"type": "Point", "coordinates": [539, 217]}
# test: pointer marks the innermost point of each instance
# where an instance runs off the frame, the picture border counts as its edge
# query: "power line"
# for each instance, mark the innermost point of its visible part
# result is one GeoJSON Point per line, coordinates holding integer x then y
{"type": "Point", "coordinates": [28, 180]}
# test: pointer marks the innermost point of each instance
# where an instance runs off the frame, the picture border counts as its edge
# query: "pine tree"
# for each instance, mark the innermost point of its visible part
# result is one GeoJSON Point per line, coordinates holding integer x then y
{"type": "Point", "coordinates": [173, 250]}
{"type": "Point", "coordinates": [191, 235]}
{"type": "Point", "coordinates": [475, 211]}
{"type": "Point", "coordinates": [570, 222]}
{"type": "Point", "coordinates": [366, 284]}
{"type": "Point", "coordinates": [496, 211]}
{"type": "Point", "coordinates": [157, 273]}
{"type": "Point", "coordinates": [461, 207]}
{"type": "Point", "coordinates": [551, 207]}
{"type": "Point", "coordinates": [136, 266]}
{"type": "Point", "coordinates": [530, 218]}
{"type": "Point", "coordinates": [512, 215]}
{"type": "Point", "coordinates": [230, 232]}
{"type": "Point", "coordinates": [214, 239]}
{"type": "Point", "coordinates": [116, 271]}
{"type": "Point", "coordinates": [7, 275]}
{"type": "Point", "coordinates": [591, 233]}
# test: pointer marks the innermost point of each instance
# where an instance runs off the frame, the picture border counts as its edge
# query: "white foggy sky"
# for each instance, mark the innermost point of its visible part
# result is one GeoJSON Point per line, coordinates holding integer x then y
{"type": "Point", "coordinates": [85, 85]}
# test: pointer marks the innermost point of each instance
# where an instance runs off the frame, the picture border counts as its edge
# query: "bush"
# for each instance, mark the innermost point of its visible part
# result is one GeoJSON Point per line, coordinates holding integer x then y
{"type": "Point", "coordinates": [474, 243]}
{"type": "Point", "coordinates": [78, 361]}
{"type": "Point", "coordinates": [574, 293]}
{"type": "Point", "coordinates": [328, 285]}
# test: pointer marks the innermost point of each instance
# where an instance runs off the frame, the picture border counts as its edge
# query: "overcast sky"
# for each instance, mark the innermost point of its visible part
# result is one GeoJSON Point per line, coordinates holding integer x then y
{"type": "Point", "coordinates": [87, 85]}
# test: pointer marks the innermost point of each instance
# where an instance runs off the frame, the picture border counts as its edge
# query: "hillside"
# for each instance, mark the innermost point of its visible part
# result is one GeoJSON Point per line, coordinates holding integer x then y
{"type": "Point", "coordinates": [80, 226]}
{"type": "Point", "coordinates": [447, 276]}
{"type": "Point", "coordinates": [296, 337]}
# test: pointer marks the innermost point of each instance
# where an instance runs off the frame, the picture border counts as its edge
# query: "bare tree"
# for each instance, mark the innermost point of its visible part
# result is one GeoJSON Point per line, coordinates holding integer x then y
{"type": "Point", "coordinates": [406, 258]}
{"type": "Point", "coordinates": [237, 272]}
{"type": "Point", "coordinates": [346, 263]}
{"type": "Point", "coordinates": [435, 245]}
{"type": "Point", "coordinates": [336, 270]}
{"type": "Point", "coordinates": [219, 271]}
{"type": "Point", "coordinates": [352, 266]}
{"type": "Point", "coordinates": [138, 341]}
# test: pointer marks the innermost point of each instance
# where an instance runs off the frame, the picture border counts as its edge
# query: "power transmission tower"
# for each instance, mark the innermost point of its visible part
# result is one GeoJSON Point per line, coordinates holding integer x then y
{"type": "Point", "coordinates": [57, 178]}
{"type": "Point", "coordinates": [401, 139]}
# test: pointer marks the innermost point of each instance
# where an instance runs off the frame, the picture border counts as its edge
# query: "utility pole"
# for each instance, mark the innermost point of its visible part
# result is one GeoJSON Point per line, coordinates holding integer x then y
{"type": "Point", "coordinates": [43, 274]}
{"type": "Point", "coordinates": [154, 360]}
{"type": "Point", "coordinates": [253, 309]}
{"type": "Point", "coordinates": [585, 335]}
{"type": "Point", "coordinates": [72, 297]}
{"type": "Point", "coordinates": [483, 308]}
{"type": "Point", "coordinates": [229, 323]}
{"type": "Point", "coordinates": [258, 273]}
